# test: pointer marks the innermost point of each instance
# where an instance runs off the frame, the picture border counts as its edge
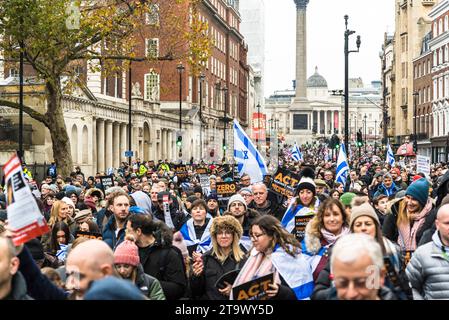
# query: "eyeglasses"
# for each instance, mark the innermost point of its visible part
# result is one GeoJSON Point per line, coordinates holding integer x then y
{"type": "Point", "coordinates": [343, 283]}
{"type": "Point", "coordinates": [245, 179]}
{"type": "Point", "coordinates": [259, 193]}
{"type": "Point", "coordinates": [224, 233]}
{"type": "Point", "coordinates": [256, 236]}
{"type": "Point", "coordinates": [245, 195]}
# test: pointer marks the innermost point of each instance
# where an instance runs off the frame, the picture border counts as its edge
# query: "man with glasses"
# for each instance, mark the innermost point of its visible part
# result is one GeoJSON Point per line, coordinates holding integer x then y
{"type": "Point", "coordinates": [247, 194]}
{"type": "Point", "coordinates": [358, 270]}
{"type": "Point", "coordinates": [245, 180]}
{"type": "Point", "coordinates": [262, 204]}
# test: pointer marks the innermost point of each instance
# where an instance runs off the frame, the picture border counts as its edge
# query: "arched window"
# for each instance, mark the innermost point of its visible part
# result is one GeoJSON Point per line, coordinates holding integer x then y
{"type": "Point", "coordinates": [435, 29]}
{"type": "Point", "coordinates": [446, 23]}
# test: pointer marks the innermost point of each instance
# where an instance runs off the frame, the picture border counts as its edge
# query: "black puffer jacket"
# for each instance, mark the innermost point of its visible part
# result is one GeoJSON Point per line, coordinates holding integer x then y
{"type": "Point", "coordinates": [165, 262]}
{"type": "Point", "coordinates": [203, 286]}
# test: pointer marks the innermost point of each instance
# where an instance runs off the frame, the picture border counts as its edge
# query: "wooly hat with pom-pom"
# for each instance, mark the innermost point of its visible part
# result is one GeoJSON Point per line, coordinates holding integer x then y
{"type": "Point", "coordinates": [307, 180]}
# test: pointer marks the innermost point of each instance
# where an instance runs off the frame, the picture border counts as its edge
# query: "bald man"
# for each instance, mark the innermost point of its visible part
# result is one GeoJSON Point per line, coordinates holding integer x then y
{"type": "Point", "coordinates": [428, 268]}
{"type": "Point", "coordinates": [12, 283]}
{"type": "Point", "coordinates": [89, 261]}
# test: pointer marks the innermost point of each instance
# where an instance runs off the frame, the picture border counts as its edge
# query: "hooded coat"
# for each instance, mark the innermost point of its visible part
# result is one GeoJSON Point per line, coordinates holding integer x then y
{"type": "Point", "coordinates": [143, 201]}
{"type": "Point", "coordinates": [18, 288]}
{"type": "Point", "coordinates": [165, 262]}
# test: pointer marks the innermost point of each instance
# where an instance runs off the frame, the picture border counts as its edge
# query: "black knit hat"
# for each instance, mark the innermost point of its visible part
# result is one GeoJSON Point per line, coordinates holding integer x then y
{"type": "Point", "coordinates": [36, 249]}
{"type": "Point", "coordinates": [307, 180]}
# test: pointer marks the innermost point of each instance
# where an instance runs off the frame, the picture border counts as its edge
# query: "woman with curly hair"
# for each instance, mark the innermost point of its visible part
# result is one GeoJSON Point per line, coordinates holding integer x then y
{"type": "Point", "coordinates": [224, 256]}
{"type": "Point", "coordinates": [330, 223]}
{"type": "Point", "coordinates": [277, 252]}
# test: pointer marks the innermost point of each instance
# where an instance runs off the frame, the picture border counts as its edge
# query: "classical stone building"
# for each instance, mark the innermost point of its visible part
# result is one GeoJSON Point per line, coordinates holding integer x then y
{"type": "Point", "coordinates": [96, 115]}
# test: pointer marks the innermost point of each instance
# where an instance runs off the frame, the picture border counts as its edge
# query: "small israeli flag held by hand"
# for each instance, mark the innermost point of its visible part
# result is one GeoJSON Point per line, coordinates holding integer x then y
{"type": "Point", "coordinates": [390, 156]}
{"type": "Point", "coordinates": [248, 158]}
{"type": "Point", "coordinates": [342, 166]}
{"type": "Point", "coordinates": [296, 153]}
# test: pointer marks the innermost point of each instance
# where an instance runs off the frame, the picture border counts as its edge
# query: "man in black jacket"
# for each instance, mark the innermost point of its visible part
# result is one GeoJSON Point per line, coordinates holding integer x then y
{"type": "Point", "coordinates": [157, 255]}
{"type": "Point", "coordinates": [177, 216]}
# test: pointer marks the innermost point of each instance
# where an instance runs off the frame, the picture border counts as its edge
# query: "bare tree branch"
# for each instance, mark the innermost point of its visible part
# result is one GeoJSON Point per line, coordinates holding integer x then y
{"type": "Point", "coordinates": [28, 110]}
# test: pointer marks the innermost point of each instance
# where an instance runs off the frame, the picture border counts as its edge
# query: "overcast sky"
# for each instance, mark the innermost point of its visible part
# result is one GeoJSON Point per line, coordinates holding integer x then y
{"type": "Point", "coordinates": [325, 40]}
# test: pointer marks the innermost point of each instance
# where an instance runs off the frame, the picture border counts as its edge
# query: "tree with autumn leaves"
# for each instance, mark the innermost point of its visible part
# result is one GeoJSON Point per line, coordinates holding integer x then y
{"type": "Point", "coordinates": [56, 36]}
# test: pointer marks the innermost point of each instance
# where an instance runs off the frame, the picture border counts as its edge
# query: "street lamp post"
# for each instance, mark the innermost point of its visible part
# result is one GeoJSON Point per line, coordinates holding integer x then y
{"type": "Point", "coordinates": [347, 51]}
{"type": "Point", "coordinates": [225, 119]}
{"type": "Point", "coordinates": [364, 123]}
{"type": "Point", "coordinates": [258, 126]}
{"type": "Point", "coordinates": [21, 153]}
{"type": "Point", "coordinates": [415, 141]}
{"type": "Point", "coordinates": [180, 69]}
{"type": "Point", "coordinates": [129, 112]}
{"type": "Point", "coordinates": [276, 129]}
{"type": "Point", "coordinates": [375, 137]}
{"type": "Point", "coordinates": [202, 77]}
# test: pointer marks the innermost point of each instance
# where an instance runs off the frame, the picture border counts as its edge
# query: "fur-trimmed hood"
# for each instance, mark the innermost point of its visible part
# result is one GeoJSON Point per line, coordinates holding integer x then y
{"type": "Point", "coordinates": [89, 192]}
{"type": "Point", "coordinates": [226, 222]}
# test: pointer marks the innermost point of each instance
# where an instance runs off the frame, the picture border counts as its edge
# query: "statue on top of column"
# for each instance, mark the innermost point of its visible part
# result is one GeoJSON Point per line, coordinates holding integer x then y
{"type": "Point", "coordinates": [301, 4]}
{"type": "Point", "coordinates": [135, 90]}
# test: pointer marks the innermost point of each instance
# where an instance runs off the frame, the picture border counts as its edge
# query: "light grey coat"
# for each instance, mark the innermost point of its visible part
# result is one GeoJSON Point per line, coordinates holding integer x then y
{"type": "Point", "coordinates": [428, 271]}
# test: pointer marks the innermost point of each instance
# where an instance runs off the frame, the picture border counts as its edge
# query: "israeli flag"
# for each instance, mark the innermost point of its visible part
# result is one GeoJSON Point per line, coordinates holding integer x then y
{"type": "Point", "coordinates": [296, 271]}
{"type": "Point", "coordinates": [390, 155]}
{"type": "Point", "coordinates": [342, 166]}
{"type": "Point", "coordinates": [293, 210]}
{"type": "Point", "coordinates": [189, 234]}
{"type": "Point", "coordinates": [248, 159]}
{"type": "Point", "coordinates": [296, 153]}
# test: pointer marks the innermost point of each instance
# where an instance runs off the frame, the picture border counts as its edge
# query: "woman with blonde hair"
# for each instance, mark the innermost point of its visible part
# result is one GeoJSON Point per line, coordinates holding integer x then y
{"type": "Point", "coordinates": [330, 223]}
{"type": "Point", "coordinates": [275, 251]}
{"type": "Point", "coordinates": [224, 256]}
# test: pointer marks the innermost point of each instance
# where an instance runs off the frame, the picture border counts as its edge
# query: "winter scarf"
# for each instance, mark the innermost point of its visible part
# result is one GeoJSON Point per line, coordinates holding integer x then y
{"type": "Point", "coordinates": [332, 238]}
{"type": "Point", "coordinates": [407, 234]}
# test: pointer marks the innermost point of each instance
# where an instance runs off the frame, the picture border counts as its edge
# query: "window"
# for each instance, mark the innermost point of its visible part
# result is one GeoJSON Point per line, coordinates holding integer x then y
{"type": "Point", "coordinates": [300, 122]}
{"type": "Point", "coordinates": [152, 17]}
{"type": "Point", "coordinates": [440, 26]}
{"type": "Point", "coordinates": [446, 23]}
{"type": "Point", "coordinates": [435, 29]}
{"type": "Point", "coordinates": [446, 57]}
{"type": "Point", "coordinates": [435, 62]}
{"type": "Point", "coordinates": [152, 84]}
{"type": "Point", "coordinates": [152, 49]}
{"type": "Point", "coordinates": [13, 72]}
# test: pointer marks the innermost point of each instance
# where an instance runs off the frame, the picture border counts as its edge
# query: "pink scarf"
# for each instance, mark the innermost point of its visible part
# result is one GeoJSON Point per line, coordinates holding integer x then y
{"type": "Point", "coordinates": [332, 238]}
{"type": "Point", "coordinates": [407, 235]}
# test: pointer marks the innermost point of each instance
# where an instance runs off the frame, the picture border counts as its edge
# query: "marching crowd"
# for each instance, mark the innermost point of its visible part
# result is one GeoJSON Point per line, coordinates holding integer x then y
{"type": "Point", "coordinates": [160, 234]}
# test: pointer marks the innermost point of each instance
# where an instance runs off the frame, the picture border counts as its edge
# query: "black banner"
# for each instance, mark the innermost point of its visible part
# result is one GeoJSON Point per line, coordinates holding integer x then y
{"type": "Point", "coordinates": [89, 235]}
{"type": "Point", "coordinates": [225, 190]}
{"type": "Point", "coordinates": [106, 182]}
{"type": "Point", "coordinates": [181, 172]}
{"type": "Point", "coordinates": [285, 183]}
{"type": "Point", "coordinates": [253, 290]}
{"type": "Point", "coordinates": [300, 226]}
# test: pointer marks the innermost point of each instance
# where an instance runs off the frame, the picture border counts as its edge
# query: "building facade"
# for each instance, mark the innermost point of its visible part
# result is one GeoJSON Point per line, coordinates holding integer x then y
{"type": "Point", "coordinates": [412, 24]}
{"type": "Point", "coordinates": [439, 47]}
{"type": "Point", "coordinates": [96, 115]}
{"type": "Point", "coordinates": [387, 89]}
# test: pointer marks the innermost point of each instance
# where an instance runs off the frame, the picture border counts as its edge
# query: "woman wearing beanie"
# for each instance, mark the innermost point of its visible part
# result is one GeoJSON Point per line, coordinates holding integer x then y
{"type": "Point", "coordinates": [127, 264]}
{"type": "Point", "coordinates": [330, 223]}
{"type": "Point", "coordinates": [304, 206]}
{"type": "Point", "coordinates": [224, 256]}
{"type": "Point", "coordinates": [365, 220]}
{"type": "Point", "coordinates": [410, 217]}
{"type": "Point", "coordinates": [196, 231]}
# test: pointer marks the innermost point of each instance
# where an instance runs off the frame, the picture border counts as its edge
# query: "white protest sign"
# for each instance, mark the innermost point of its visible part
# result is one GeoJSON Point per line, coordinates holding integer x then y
{"type": "Point", "coordinates": [24, 216]}
{"type": "Point", "coordinates": [423, 165]}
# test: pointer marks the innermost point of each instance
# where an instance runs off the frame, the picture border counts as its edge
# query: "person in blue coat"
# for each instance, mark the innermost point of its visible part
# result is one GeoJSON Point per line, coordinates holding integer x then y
{"type": "Point", "coordinates": [388, 187]}
{"type": "Point", "coordinates": [114, 231]}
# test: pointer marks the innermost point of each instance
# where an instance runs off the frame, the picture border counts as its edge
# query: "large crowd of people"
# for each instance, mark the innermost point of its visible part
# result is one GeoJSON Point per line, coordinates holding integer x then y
{"type": "Point", "coordinates": [165, 231]}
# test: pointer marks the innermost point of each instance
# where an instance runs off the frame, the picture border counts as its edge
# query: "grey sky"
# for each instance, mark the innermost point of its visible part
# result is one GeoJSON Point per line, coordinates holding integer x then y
{"type": "Point", "coordinates": [325, 40]}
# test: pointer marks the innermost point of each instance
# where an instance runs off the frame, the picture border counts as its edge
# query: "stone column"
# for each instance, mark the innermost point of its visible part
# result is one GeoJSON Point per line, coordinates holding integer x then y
{"type": "Point", "coordinates": [333, 121]}
{"type": "Point", "coordinates": [108, 145]}
{"type": "Point", "coordinates": [116, 145]}
{"type": "Point", "coordinates": [318, 127]}
{"type": "Point", "coordinates": [163, 144]}
{"type": "Point", "coordinates": [100, 144]}
{"type": "Point", "coordinates": [123, 142]}
{"type": "Point", "coordinates": [301, 48]}
{"type": "Point", "coordinates": [325, 122]}
{"type": "Point", "coordinates": [94, 146]}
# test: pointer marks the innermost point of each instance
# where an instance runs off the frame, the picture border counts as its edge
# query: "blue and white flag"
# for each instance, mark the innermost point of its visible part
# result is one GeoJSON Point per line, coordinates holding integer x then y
{"type": "Point", "coordinates": [246, 242]}
{"type": "Point", "coordinates": [248, 159]}
{"type": "Point", "coordinates": [293, 210]}
{"type": "Point", "coordinates": [296, 153]}
{"type": "Point", "coordinates": [390, 156]}
{"type": "Point", "coordinates": [188, 232]}
{"type": "Point", "coordinates": [342, 166]}
{"type": "Point", "coordinates": [296, 271]}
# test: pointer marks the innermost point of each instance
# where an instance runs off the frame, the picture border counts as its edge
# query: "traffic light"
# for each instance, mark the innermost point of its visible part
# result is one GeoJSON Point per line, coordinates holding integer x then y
{"type": "Point", "coordinates": [224, 147]}
{"type": "Point", "coordinates": [359, 139]}
{"type": "Point", "coordinates": [179, 141]}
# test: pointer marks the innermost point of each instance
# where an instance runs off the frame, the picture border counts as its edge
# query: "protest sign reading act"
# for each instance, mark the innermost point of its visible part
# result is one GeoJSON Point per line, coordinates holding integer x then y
{"type": "Point", "coordinates": [24, 216]}
{"type": "Point", "coordinates": [253, 290]}
{"type": "Point", "coordinates": [181, 172]}
{"type": "Point", "coordinates": [285, 183]}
